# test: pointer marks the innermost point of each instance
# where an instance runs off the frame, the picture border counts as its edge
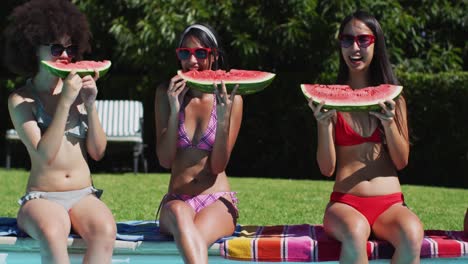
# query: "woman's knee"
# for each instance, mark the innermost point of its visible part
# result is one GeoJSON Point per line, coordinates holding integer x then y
{"type": "Point", "coordinates": [176, 216]}
{"type": "Point", "coordinates": [355, 232]}
{"type": "Point", "coordinates": [412, 234]}
{"type": "Point", "coordinates": [353, 237]}
{"type": "Point", "coordinates": [108, 230]}
{"type": "Point", "coordinates": [102, 231]}
{"type": "Point", "coordinates": [176, 211]}
{"type": "Point", "coordinates": [49, 233]}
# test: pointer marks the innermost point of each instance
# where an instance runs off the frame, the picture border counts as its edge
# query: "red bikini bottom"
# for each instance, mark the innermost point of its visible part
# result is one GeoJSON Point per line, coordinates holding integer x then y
{"type": "Point", "coordinates": [372, 206]}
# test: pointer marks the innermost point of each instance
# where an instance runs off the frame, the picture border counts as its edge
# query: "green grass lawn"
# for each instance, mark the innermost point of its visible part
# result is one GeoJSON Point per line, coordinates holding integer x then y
{"type": "Point", "coordinates": [262, 201]}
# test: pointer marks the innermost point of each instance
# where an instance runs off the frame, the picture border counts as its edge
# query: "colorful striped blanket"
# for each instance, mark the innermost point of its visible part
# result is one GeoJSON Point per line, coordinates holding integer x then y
{"type": "Point", "coordinates": [310, 243]}
{"type": "Point", "coordinates": [256, 243]}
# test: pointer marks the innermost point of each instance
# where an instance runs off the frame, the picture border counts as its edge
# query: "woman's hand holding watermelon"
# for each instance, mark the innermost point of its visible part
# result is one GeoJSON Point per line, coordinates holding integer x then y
{"type": "Point", "coordinates": [323, 117]}
{"type": "Point", "coordinates": [176, 92]}
{"type": "Point", "coordinates": [224, 101]}
{"type": "Point", "coordinates": [387, 114]}
{"type": "Point", "coordinates": [71, 87]}
{"type": "Point", "coordinates": [89, 89]}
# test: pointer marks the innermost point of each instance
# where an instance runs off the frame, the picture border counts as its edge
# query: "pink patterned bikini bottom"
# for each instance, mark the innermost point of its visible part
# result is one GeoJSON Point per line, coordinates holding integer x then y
{"type": "Point", "coordinates": [199, 202]}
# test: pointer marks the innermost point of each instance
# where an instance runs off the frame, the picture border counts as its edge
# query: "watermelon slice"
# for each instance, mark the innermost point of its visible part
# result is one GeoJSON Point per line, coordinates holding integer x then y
{"type": "Point", "coordinates": [344, 98]}
{"type": "Point", "coordinates": [249, 81]}
{"type": "Point", "coordinates": [83, 68]}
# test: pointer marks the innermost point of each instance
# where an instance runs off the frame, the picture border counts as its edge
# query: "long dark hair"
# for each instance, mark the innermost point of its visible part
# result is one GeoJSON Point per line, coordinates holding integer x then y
{"type": "Point", "coordinates": [220, 58]}
{"type": "Point", "coordinates": [380, 69]}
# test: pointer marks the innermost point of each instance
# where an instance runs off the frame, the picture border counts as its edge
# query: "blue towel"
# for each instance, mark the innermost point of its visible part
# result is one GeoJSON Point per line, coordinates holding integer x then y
{"type": "Point", "coordinates": [8, 227]}
{"type": "Point", "coordinates": [127, 231]}
{"type": "Point", "coordinates": [140, 231]}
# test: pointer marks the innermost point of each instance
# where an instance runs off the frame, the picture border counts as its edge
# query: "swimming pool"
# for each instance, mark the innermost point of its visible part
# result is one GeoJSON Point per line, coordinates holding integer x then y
{"type": "Point", "coordinates": [34, 258]}
{"type": "Point", "coordinates": [21, 250]}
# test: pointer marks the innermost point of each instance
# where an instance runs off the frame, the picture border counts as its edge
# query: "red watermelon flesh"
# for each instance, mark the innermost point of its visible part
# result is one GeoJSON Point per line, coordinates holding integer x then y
{"type": "Point", "coordinates": [85, 67]}
{"type": "Point", "coordinates": [344, 98]}
{"type": "Point", "coordinates": [249, 81]}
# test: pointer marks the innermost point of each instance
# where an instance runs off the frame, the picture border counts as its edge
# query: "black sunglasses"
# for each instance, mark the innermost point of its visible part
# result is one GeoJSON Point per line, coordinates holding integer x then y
{"type": "Point", "coordinates": [57, 50]}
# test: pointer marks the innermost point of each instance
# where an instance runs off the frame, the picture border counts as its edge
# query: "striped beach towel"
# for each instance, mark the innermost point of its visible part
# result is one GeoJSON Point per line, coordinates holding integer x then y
{"type": "Point", "coordinates": [309, 243]}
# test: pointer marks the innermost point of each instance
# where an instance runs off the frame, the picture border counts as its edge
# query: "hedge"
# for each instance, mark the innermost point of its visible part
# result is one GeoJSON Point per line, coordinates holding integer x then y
{"type": "Point", "coordinates": [278, 133]}
{"type": "Point", "coordinates": [278, 137]}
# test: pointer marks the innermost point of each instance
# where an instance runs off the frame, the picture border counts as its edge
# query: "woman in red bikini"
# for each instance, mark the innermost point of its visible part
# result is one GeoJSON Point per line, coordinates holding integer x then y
{"type": "Point", "coordinates": [195, 135]}
{"type": "Point", "coordinates": [366, 150]}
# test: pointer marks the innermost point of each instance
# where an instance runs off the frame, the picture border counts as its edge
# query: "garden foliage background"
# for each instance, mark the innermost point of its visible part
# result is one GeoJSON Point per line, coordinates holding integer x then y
{"type": "Point", "coordinates": [296, 39]}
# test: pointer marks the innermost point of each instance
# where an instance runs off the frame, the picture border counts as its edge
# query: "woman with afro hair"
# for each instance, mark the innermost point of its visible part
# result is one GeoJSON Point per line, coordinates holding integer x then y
{"type": "Point", "coordinates": [57, 121]}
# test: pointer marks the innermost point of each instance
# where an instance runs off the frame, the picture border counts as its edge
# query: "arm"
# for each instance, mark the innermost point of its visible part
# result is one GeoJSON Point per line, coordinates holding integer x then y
{"type": "Point", "coordinates": [229, 115]}
{"type": "Point", "coordinates": [396, 131]}
{"type": "Point", "coordinates": [326, 154]}
{"type": "Point", "coordinates": [96, 140]}
{"type": "Point", "coordinates": [167, 106]}
{"type": "Point", "coordinates": [44, 147]}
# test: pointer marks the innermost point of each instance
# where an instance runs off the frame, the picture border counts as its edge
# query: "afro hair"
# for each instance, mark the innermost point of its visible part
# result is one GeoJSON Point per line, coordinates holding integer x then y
{"type": "Point", "coordinates": [42, 22]}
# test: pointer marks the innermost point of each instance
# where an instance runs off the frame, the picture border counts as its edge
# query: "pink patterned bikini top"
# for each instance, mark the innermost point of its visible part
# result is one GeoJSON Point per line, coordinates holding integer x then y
{"type": "Point", "coordinates": [208, 138]}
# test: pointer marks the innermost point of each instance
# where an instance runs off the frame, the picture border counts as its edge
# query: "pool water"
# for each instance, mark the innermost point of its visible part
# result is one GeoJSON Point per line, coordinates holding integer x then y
{"type": "Point", "coordinates": [34, 258]}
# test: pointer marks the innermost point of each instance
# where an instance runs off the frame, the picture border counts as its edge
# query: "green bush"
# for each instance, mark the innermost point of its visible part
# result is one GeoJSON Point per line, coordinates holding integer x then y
{"type": "Point", "coordinates": [278, 136]}
{"type": "Point", "coordinates": [438, 110]}
{"type": "Point", "coordinates": [296, 40]}
{"type": "Point", "coordinates": [278, 133]}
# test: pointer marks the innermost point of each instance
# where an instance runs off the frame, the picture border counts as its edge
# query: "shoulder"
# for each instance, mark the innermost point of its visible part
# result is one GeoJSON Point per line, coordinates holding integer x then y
{"type": "Point", "coordinates": [161, 88]}
{"type": "Point", "coordinates": [20, 106]}
{"type": "Point", "coordinates": [161, 102]}
{"type": "Point", "coordinates": [19, 96]}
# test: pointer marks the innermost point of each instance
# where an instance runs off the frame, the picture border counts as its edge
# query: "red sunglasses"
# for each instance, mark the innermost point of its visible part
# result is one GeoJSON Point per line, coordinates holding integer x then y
{"type": "Point", "coordinates": [199, 53]}
{"type": "Point", "coordinates": [363, 41]}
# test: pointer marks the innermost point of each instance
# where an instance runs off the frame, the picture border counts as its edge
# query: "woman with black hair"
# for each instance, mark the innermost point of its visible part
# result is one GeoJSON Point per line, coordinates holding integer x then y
{"type": "Point", "coordinates": [367, 150]}
{"type": "Point", "coordinates": [195, 134]}
{"type": "Point", "coordinates": [58, 123]}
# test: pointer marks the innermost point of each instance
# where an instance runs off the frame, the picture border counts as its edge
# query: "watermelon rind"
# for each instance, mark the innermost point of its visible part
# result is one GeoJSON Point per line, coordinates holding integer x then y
{"type": "Point", "coordinates": [372, 105]}
{"type": "Point", "coordinates": [63, 73]}
{"type": "Point", "coordinates": [245, 87]}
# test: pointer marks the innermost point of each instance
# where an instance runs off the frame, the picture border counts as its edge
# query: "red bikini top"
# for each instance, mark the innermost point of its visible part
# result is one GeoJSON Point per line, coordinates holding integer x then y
{"type": "Point", "coordinates": [346, 136]}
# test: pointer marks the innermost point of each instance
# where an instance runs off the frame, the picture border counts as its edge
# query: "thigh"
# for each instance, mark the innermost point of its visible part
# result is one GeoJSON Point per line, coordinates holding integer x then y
{"type": "Point", "coordinates": [91, 216]}
{"type": "Point", "coordinates": [342, 221]}
{"type": "Point", "coordinates": [396, 224]}
{"type": "Point", "coordinates": [216, 220]}
{"type": "Point", "coordinates": [38, 217]}
{"type": "Point", "coordinates": [173, 214]}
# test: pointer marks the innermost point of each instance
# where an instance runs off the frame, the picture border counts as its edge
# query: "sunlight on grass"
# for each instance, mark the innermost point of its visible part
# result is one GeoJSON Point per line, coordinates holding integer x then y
{"type": "Point", "coordinates": [261, 201]}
